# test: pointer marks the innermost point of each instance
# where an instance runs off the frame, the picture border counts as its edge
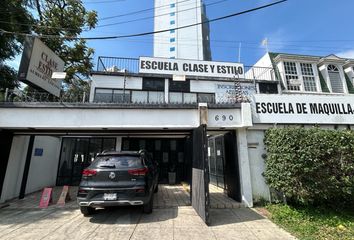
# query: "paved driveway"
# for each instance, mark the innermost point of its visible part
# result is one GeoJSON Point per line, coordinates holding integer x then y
{"type": "Point", "coordinates": [130, 223]}
{"type": "Point", "coordinates": [172, 218]}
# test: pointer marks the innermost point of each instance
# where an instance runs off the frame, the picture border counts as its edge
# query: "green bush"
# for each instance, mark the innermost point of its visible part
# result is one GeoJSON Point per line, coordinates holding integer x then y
{"type": "Point", "coordinates": [313, 166]}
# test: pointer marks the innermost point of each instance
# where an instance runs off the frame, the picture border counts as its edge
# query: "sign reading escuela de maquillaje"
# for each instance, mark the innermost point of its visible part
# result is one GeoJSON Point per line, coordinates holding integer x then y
{"type": "Point", "coordinates": [303, 109]}
{"type": "Point", "coordinates": [190, 67]}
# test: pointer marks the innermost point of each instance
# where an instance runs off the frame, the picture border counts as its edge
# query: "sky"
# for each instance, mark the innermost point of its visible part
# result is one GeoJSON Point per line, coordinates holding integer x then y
{"type": "Point", "coordinates": [311, 27]}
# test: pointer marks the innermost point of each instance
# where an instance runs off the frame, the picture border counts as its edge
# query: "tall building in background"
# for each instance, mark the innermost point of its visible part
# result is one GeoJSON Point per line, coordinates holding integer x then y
{"type": "Point", "coordinates": [187, 43]}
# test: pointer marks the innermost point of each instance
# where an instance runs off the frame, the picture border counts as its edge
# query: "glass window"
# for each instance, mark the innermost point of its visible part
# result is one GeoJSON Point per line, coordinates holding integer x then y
{"type": "Point", "coordinates": [179, 86]}
{"type": "Point", "coordinates": [176, 97]}
{"type": "Point", "coordinates": [292, 79]}
{"type": "Point", "coordinates": [332, 68]}
{"type": "Point", "coordinates": [117, 162]}
{"type": "Point", "coordinates": [154, 84]}
{"type": "Point", "coordinates": [335, 79]}
{"type": "Point", "coordinates": [308, 77]}
{"type": "Point", "coordinates": [172, 57]}
{"type": "Point", "coordinates": [103, 95]}
{"type": "Point", "coordinates": [139, 96]}
{"type": "Point", "coordinates": [109, 144]}
{"type": "Point", "coordinates": [172, 31]}
{"type": "Point", "coordinates": [121, 96]}
{"type": "Point", "coordinates": [172, 14]}
{"type": "Point", "coordinates": [172, 39]}
{"type": "Point", "coordinates": [172, 5]}
{"type": "Point", "coordinates": [172, 22]}
{"type": "Point", "coordinates": [189, 97]}
{"type": "Point", "coordinates": [156, 97]}
{"type": "Point", "coordinates": [206, 97]}
{"type": "Point", "coordinates": [172, 49]}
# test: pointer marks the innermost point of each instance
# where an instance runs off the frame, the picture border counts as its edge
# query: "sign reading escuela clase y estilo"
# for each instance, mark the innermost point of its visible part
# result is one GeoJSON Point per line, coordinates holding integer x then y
{"type": "Point", "coordinates": [38, 64]}
{"type": "Point", "coordinates": [190, 67]}
{"type": "Point", "coordinates": [303, 109]}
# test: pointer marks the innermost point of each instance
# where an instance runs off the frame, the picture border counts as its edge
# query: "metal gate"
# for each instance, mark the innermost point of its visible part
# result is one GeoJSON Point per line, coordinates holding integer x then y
{"type": "Point", "coordinates": [200, 174]}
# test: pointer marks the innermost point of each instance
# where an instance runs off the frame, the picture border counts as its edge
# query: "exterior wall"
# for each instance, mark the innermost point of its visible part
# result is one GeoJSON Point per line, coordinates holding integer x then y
{"type": "Point", "coordinates": [98, 118]}
{"type": "Point", "coordinates": [244, 163]}
{"type": "Point", "coordinates": [260, 189]}
{"type": "Point", "coordinates": [15, 167]}
{"type": "Point", "coordinates": [188, 41]}
{"type": "Point", "coordinates": [103, 81]}
{"type": "Point", "coordinates": [43, 169]}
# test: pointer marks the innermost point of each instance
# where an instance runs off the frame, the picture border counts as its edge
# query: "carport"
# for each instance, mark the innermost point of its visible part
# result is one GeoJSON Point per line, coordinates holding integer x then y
{"type": "Point", "coordinates": [35, 137]}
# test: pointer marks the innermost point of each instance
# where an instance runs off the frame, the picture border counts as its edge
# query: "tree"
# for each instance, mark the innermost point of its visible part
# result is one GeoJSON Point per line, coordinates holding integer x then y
{"type": "Point", "coordinates": [67, 18]}
{"type": "Point", "coordinates": [14, 18]}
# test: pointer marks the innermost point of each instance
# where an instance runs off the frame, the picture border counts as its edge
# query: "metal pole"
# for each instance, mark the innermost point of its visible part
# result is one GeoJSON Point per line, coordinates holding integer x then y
{"type": "Point", "coordinates": [6, 93]}
{"type": "Point", "coordinates": [84, 97]}
{"type": "Point", "coordinates": [124, 84]}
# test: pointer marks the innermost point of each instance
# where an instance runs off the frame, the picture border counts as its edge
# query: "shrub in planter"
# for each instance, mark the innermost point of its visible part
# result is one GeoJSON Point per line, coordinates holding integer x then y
{"type": "Point", "coordinates": [311, 165]}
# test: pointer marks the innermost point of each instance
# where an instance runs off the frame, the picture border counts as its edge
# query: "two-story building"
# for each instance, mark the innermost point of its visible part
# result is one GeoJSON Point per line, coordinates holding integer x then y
{"type": "Point", "coordinates": [180, 111]}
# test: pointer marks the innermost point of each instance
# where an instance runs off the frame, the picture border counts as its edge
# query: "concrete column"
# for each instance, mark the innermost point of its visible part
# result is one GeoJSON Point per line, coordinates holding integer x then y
{"type": "Point", "coordinates": [166, 90]}
{"type": "Point", "coordinates": [119, 143]}
{"type": "Point", "coordinates": [245, 172]}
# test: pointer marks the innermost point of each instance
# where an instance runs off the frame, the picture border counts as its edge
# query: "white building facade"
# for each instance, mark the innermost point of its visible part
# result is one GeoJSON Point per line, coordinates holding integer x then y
{"type": "Point", "coordinates": [185, 43]}
{"type": "Point", "coordinates": [48, 144]}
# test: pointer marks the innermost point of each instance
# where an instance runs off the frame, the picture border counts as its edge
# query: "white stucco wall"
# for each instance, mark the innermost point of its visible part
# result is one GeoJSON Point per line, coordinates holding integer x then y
{"type": "Point", "coordinates": [257, 165]}
{"type": "Point", "coordinates": [15, 167]}
{"type": "Point", "coordinates": [43, 169]}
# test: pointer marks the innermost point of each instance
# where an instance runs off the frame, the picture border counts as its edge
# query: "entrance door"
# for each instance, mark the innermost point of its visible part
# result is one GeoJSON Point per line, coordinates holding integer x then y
{"type": "Point", "coordinates": [232, 175]}
{"type": "Point", "coordinates": [200, 174]}
{"type": "Point", "coordinates": [216, 160]}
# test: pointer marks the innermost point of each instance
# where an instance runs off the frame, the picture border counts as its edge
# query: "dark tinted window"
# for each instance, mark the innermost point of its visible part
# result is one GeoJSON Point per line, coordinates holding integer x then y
{"type": "Point", "coordinates": [117, 162]}
{"type": "Point", "coordinates": [268, 88]}
{"type": "Point", "coordinates": [206, 98]}
{"type": "Point", "coordinates": [179, 86]}
{"type": "Point", "coordinates": [154, 84]}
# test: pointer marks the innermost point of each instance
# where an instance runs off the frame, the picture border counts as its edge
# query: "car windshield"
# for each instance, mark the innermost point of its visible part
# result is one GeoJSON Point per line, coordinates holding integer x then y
{"type": "Point", "coordinates": [117, 162]}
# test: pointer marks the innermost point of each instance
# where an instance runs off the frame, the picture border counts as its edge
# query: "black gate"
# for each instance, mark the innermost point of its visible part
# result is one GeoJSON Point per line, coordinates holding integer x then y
{"type": "Point", "coordinates": [200, 174]}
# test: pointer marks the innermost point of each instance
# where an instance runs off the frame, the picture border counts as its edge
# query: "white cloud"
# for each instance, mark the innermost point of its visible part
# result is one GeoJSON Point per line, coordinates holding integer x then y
{"type": "Point", "coordinates": [346, 54]}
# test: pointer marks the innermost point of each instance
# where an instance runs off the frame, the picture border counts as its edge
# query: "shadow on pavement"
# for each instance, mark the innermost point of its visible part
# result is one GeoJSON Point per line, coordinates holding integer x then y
{"type": "Point", "coordinates": [131, 215]}
{"type": "Point", "coordinates": [219, 217]}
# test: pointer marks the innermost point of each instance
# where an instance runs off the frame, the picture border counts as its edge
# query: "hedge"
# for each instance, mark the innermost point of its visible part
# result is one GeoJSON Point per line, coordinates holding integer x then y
{"type": "Point", "coordinates": [311, 166]}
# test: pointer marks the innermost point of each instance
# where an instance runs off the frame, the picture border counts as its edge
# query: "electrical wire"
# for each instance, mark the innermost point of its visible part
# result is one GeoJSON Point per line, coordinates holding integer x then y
{"type": "Point", "coordinates": [151, 17]}
{"type": "Point", "coordinates": [151, 32]}
{"type": "Point", "coordinates": [140, 11]}
{"type": "Point", "coordinates": [111, 24]}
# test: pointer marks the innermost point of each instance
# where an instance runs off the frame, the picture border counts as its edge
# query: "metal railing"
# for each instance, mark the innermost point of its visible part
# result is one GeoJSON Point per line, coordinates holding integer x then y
{"type": "Point", "coordinates": [131, 65]}
{"type": "Point", "coordinates": [41, 97]}
{"type": "Point", "coordinates": [114, 64]}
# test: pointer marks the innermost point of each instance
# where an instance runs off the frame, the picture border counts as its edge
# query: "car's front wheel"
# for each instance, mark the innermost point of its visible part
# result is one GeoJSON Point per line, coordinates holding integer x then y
{"type": "Point", "coordinates": [147, 208]}
{"type": "Point", "coordinates": [86, 211]}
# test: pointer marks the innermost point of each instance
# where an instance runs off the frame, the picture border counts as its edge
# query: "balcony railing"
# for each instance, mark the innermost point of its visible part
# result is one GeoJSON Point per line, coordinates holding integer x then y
{"type": "Point", "coordinates": [131, 65]}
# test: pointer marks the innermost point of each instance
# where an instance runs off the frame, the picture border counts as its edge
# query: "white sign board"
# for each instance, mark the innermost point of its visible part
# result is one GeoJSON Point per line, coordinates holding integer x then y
{"type": "Point", "coordinates": [38, 64]}
{"type": "Point", "coordinates": [303, 109]}
{"type": "Point", "coordinates": [190, 67]}
{"type": "Point", "coordinates": [226, 93]}
{"type": "Point", "coordinates": [58, 75]}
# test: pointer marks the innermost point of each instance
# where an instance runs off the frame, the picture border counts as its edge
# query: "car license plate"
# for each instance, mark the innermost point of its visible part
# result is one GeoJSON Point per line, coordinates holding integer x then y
{"type": "Point", "coordinates": [110, 196]}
